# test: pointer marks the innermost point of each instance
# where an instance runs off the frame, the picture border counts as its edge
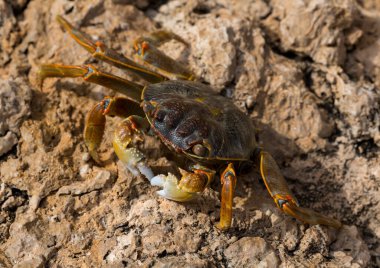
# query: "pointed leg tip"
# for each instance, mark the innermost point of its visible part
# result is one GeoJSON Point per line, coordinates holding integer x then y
{"type": "Point", "coordinates": [95, 156]}
{"type": "Point", "coordinates": [222, 227]}
{"type": "Point", "coordinates": [335, 224]}
{"type": "Point", "coordinates": [40, 82]}
{"type": "Point", "coordinates": [62, 21]}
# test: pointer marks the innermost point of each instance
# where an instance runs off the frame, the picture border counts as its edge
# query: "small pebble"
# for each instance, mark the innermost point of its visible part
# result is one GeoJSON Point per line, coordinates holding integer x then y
{"type": "Point", "coordinates": [86, 157]}
{"type": "Point", "coordinates": [11, 203]}
{"type": "Point", "coordinates": [2, 219]}
{"type": "Point", "coordinates": [5, 192]}
{"type": "Point", "coordinates": [83, 170]}
{"type": "Point", "coordinates": [249, 102]}
{"type": "Point", "coordinates": [258, 215]}
{"type": "Point", "coordinates": [54, 218]}
{"type": "Point", "coordinates": [7, 142]}
{"type": "Point", "coordinates": [268, 212]}
{"type": "Point", "coordinates": [274, 219]}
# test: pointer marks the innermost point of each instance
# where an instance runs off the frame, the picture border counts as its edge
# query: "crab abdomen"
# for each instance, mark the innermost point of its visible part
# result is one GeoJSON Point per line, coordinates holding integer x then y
{"type": "Point", "coordinates": [186, 113]}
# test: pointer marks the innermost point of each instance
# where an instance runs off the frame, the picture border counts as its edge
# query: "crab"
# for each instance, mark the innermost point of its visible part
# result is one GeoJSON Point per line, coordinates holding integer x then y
{"type": "Point", "coordinates": [189, 117]}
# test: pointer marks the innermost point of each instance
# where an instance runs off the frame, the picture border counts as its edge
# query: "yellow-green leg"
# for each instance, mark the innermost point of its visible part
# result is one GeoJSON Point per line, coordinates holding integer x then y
{"type": "Point", "coordinates": [228, 181]}
{"type": "Point", "coordinates": [284, 198]}
{"type": "Point", "coordinates": [91, 74]}
{"type": "Point", "coordinates": [146, 48]}
{"type": "Point", "coordinates": [100, 51]}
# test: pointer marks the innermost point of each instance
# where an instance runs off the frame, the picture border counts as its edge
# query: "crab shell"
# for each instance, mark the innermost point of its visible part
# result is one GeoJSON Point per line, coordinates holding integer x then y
{"type": "Point", "coordinates": [186, 113]}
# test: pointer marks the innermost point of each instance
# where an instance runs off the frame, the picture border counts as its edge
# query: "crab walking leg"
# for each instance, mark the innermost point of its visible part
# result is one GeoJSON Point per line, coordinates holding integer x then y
{"type": "Point", "coordinates": [99, 51]}
{"type": "Point", "coordinates": [94, 129]}
{"type": "Point", "coordinates": [96, 119]}
{"type": "Point", "coordinates": [145, 48]}
{"type": "Point", "coordinates": [90, 74]}
{"type": "Point", "coordinates": [160, 37]}
{"type": "Point", "coordinates": [127, 133]}
{"type": "Point", "coordinates": [189, 185]}
{"type": "Point", "coordinates": [284, 199]}
{"type": "Point", "coordinates": [228, 180]}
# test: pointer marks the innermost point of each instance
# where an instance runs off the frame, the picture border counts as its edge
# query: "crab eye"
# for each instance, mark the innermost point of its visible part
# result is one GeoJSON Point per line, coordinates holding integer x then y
{"type": "Point", "coordinates": [200, 150]}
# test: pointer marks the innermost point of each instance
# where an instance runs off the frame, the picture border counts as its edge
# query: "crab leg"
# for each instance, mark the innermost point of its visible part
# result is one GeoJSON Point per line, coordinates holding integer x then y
{"type": "Point", "coordinates": [284, 199]}
{"type": "Point", "coordinates": [228, 180]}
{"type": "Point", "coordinates": [96, 119]}
{"type": "Point", "coordinates": [160, 37]}
{"type": "Point", "coordinates": [99, 51]}
{"type": "Point", "coordinates": [145, 47]}
{"type": "Point", "coordinates": [90, 74]}
{"type": "Point", "coordinates": [94, 129]}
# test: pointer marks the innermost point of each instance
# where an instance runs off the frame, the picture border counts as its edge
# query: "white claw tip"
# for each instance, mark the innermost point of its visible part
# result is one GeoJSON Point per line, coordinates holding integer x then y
{"type": "Point", "coordinates": [158, 180]}
{"type": "Point", "coordinates": [170, 189]}
{"type": "Point", "coordinates": [145, 170]}
{"type": "Point", "coordinates": [132, 169]}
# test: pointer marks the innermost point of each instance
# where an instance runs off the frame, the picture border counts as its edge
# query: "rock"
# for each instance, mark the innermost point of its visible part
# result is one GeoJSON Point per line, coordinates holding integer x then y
{"type": "Point", "coordinates": [7, 142]}
{"type": "Point", "coordinates": [12, 203]}
{"type": "Point", "coordinates": [251, 251]}
{"type": "Point", "coordinates": [25, 250]}
{"type": "Point", "coordinates": [313, 28]}
{"type": "Point", "coordinates": [102, 179]}
{"type": "Point", "coordinates": [15, 99]}
{"type": "Point", "coordinates": [84, 170]}
{"type": "Point", "coordinates": [306, 72]}
{"type": "Point", "coordinates": [183, 261]}
{"type": "Point", "coordinates": [187, 241]}
{"type": "Point", "coordinates": [5, 192]}
{"type": "Point", "coordinates": [8, 32]}
{"type": "Point", "coordinates": [355, 103]}
{"type": "Point", "coordinates": [347, 241]}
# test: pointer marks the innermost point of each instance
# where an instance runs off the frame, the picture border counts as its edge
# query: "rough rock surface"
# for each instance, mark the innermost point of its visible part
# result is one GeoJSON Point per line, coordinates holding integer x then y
{"type": "Point", "coordinates": [307, 73]}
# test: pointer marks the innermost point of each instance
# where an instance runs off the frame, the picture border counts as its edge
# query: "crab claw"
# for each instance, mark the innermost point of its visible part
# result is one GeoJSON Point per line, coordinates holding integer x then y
{"type": "Point", "coordinates": [126, 134]}
{"type": "Point", "coordinates": [170, 189]}
{"type": "Point", "coordinates": [133, 159]}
